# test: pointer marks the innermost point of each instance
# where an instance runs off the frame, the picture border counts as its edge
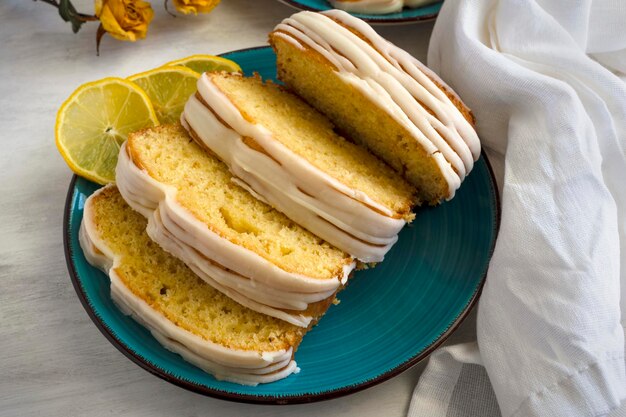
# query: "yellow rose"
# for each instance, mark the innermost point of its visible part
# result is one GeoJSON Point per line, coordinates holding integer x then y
{"type": "Point", "coordinates": [195, 6]}
{"type": "Point", "coordinates": [126, 20]}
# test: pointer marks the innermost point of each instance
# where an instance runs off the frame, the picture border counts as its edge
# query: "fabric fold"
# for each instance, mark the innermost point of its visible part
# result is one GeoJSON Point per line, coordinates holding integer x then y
{"type": "Point", "coordinates": [548, 323]}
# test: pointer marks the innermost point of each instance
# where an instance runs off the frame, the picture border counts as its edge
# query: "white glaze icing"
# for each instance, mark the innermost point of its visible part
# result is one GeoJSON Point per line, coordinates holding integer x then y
{"type": "Point", "coordinates": [377, 6]}
{"type": "Point", "coordinates": [292, 162]}
{"type": "Point", "coordinates": [393, 80]}
{"type": "Point", "coordinates": [344, 217]}
{"type": "Point", "coordinates": [234, 270]}
{"type": "Point", "coordinates": [241, 366]}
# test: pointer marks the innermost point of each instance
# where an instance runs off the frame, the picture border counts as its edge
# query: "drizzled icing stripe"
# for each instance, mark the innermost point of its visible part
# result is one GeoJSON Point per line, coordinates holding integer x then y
{"type": "Point", "coordinates": [237, 272]}
{"type": "Point", "coordinates": [344, 217]}
{"type": "Point", "coordinates": [393, 80]}
{"type": "Point", "coordinates": [369, 65]}
{"type": "Point", "coordinates": [229, 113]}
{"type": "Point", "coordinates": [241, 366]}
{"type": "Point", "coordinates": [403, 61]}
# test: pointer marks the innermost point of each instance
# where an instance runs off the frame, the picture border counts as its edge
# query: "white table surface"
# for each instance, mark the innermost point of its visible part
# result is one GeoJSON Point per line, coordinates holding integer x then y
{"type": "Point", "coordinates": [53, 359]}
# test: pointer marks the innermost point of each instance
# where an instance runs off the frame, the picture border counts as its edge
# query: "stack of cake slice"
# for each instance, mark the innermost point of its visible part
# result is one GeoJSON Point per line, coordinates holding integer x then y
{"type": "Point", "coordinates": [261, 197]}
{"type": "Point", "coordinates": [185, 314]}
{"type": "Point", "coordinates": [286, 152]}
{"type": "Point", "coordinates": [233, 241]}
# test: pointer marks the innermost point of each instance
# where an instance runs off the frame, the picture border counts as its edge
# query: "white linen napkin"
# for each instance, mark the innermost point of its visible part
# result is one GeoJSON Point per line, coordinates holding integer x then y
{"type": "Point", "coordinates": [550, 341]}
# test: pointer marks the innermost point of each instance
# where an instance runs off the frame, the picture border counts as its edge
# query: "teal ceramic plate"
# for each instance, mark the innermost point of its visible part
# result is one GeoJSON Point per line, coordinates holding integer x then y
{"type": "Point", "coordinates": [418, 14]}
{"type": "Point", "coordinates": [390, 317]}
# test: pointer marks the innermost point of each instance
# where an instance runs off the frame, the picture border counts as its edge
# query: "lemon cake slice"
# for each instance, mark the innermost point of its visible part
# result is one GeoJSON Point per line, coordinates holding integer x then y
{"type": "Point", "coordinates": [287, 153]}
{"type": "Point", "coordinates": [236, 243]}
{"type": "Point", "coordinates": [381, 96]}
{"type": "Point", "coordinates": [185, 314]}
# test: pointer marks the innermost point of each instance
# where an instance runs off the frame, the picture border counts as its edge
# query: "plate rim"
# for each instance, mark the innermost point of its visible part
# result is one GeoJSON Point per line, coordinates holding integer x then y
{"type": "Point", "coordinates": [267, 399]}
{"type": "Point", "coordinates": [371, 20]}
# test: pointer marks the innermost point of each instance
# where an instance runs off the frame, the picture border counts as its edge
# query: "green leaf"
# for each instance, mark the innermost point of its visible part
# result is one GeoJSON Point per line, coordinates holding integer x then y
{"type": "Point", "coordinates": [64, 10]}
{"type": "Point", "coordinates": [68, 13]}
{"type": "Point", "coordinates": [77, 21]}
{"type": "Point", "coordinates": [76, 24]}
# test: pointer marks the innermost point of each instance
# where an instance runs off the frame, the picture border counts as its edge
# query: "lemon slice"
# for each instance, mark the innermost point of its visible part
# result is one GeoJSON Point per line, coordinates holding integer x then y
{"type": "Point", "coordinates": [205, 63]}
{"type": "Point", "coordinates": [168, 89]}
{"type": "Point", "coordinates": [94, 121]}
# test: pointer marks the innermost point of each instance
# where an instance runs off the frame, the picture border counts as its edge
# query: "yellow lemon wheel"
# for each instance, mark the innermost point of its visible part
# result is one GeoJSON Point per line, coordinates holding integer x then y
{"type": "Point", "coordinates": [95, 120]}
{"type": "Point", "coordinates": [168, 89]}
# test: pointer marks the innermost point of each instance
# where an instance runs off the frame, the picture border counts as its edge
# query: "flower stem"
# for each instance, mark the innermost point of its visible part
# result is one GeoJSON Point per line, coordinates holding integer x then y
{"type": "Point", "coordinates": [168, 10]}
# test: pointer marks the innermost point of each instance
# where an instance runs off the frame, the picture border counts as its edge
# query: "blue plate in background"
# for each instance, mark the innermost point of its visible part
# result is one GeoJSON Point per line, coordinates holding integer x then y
{"type": "Point", "coordinates": [407, 15]}
{"type": "Point", "coordinates": [390, 317]}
